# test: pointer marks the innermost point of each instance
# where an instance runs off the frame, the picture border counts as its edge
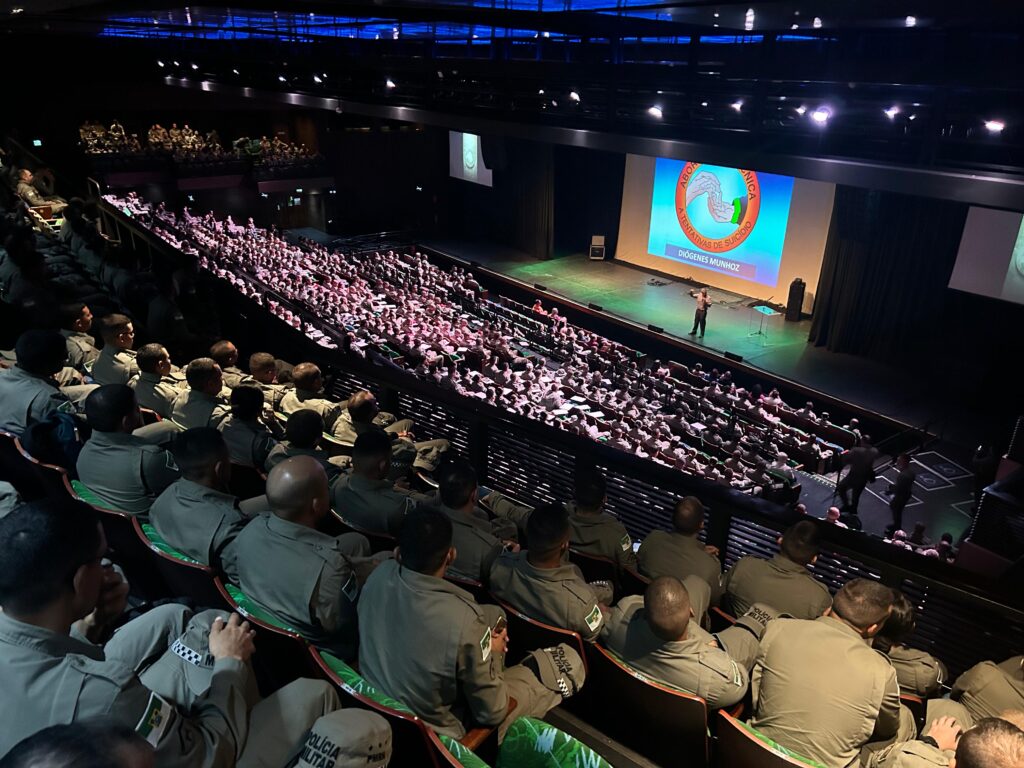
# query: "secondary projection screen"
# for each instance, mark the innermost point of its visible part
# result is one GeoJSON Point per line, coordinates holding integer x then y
{"type": "Point", "coordinates": [465, 161]}
{"type": "Point", "coordinates": [990, 261]}
{"type": "Point", "coordinates": [743, 231]}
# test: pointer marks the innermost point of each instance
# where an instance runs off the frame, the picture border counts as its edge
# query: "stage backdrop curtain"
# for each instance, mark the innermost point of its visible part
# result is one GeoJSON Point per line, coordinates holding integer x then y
{"type": "Point", "coordinates": [527, 194]}
{"type": "Point", "coordinates": [887, 262]}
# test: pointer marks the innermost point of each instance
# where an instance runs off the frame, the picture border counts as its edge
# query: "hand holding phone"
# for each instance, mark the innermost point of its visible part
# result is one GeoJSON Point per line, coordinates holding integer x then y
{"type": "Point", "coordinates": [499, 636]}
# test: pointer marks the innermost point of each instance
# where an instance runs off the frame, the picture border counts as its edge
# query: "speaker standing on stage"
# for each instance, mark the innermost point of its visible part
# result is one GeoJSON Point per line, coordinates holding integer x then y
{"type": "Point", "coordinates": [700, 317]}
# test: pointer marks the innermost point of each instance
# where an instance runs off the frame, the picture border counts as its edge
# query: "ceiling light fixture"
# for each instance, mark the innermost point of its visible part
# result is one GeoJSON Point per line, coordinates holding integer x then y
{"type": "Point", "coordinates": [748, 20]}
{"type": "Point", "coordinates": [655, 112]}
{"type": "Point", "coordinates": [910, 21]}
{"type": "Point", "coordinates": [821, 115]}
{"type": "Point", "coordinates": [816, 23]}
{"type": "Point", "coordinates": [390, 84]}
{"type": "Point", "coordinates": [801, 110]}
{"type": "Point", "coordinates": [891, 112]}
{"type": "Point", "coordinates": [995, 126]}
{"type": "Point", "coordinates": [737, 105]}
{"type": "Point", "coordinates": [160, 64]}
{"type": "Point", "coordinates": [574, 96]}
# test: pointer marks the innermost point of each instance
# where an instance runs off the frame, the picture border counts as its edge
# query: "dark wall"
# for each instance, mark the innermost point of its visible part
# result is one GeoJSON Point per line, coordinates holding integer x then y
{"type": "Point", "coordinates": [588, 198]}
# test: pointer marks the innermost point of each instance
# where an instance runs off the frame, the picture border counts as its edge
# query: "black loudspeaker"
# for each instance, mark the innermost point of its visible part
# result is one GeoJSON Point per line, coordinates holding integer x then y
{"type": "Point", "coordinates": [595, 307]}
{"type": "Point", "coordinates": [540, 287]}
{"type": "Point", "coordinates": [734, 357]}
{"type": "Point", "coordinates": [655, 328]}
{"type": "Point", "coordinates": [796, 299]}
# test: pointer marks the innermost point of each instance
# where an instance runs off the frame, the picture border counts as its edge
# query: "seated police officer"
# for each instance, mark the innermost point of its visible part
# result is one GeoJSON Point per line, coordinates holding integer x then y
{"type": "Point", "coordinates": [540, 583]}
{"type": "Point", "coordinates": [76, 321]}
{"type": "Point", "coordinates": [594, 531]}
{"type": "Point", "coordinates": [116, 361]}
{"type": "Point", "coordinates": [28, 391]}
{"type": "Point", "coordinates": [427, 643]}
{"type": "Point", "coordinates": [250, 436]}
{"type": "Point", "coordinates": [309, 383]}
{"type": "Point", "coordinates": [226, 355]}
{"type": "Point", "coordinates": [124, 470]}
{"type": "Point", "coordinates": [202, 404]}
{"type": "Point", "coordinates": [181, 680]}
{"type": "Point", "coordinates": [155, 387]}
{"type": "Point", "coordinates": [918, 672]}
{"type": "Point", "coordinates": [679, 552]}
{"type": "Point", "coordinates": [302, 436]}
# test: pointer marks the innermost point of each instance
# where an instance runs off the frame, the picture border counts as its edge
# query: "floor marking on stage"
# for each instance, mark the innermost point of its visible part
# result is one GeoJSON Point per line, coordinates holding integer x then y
{"type": "Point", "coordinates": [928, 479]}
{"type": "Point", "coordinates": [965, 512]}
{"type": "Point", "coordinates": [944, 467]}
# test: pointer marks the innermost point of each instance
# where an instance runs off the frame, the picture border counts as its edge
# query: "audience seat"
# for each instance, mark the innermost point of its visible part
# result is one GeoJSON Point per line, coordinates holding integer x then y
{"type": "Point", "coordinates": [532, 743]}
{"type": "Point", "coordinates": [283, 653]}
{"type": "Point", "coordinates": [184, 576]}
{"type": "Point", "coordinates": [150, 416]}
{"type": "Point", "coordinates": [740, 746]}
{"type": "Point", "coordinates": [595, 567]}
{"type": "Point", "coordinates": [336, 447]}
{"type": "Point", "coordinates": [415, 745]}
{"type": "Point", "coordinates": [632, 583]}
{"type": "Point", "coordinates": [247, 482]}
{"type": "Point", "coordinates": [918, 708]}
{"type": "Point", "coordinates": [474, 587]}
{"type": "Point", "coordinates": [526, 634]}
{"type": "Point", "coordinates": [49, 477]}
{"type": "Point", "coordinates": [16, 470]}
{"type": "Point", "coordinates": [719, 619]}
{"type": "Point", "coordinates": [665, 725]}
{"type": "Point", "coordinates": [335, 525]}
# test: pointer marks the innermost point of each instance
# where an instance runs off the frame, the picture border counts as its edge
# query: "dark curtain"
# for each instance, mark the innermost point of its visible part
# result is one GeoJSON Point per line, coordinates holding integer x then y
{"type": "Point", "coordinates": [588, 198]}
{"type": "Point", "coordinates": [883, 280]}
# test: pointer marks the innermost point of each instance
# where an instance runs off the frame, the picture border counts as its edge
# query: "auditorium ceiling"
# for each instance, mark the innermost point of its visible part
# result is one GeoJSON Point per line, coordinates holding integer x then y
{"type": "Point", "coordinates": [933, 84]}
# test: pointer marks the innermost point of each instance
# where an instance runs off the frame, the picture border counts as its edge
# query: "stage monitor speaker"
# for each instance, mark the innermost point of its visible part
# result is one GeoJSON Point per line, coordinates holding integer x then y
{"type": "Point", "coordinates": [540, 287]}
{"type": "Point", "coordinates": [596, 307]}
{"type": "Point", "coordinates": [597, 251]}
{"type": "Point", "coordinates": [796, 300]}
{"type": "Point", "coordinates": [656, 328]}
{"type": "Point", "coordinates": [734, 357]}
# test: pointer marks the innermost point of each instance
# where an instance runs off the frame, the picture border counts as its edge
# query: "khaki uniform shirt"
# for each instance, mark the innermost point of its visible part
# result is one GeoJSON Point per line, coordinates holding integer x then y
{"type": "Point", "coordinates": [822, 691]}
{"type": "Point", "coordinates": [198, 409]}
{"type": "Point", "coordinates": [197, 521]}
{"type": "Point", "coordinates": [427, 643]}
{"type": "Point", "coordinates": [272, 393]}
{"type": "Point", "coordinates": [82, 350]}
{"type": "Point", "coordinates": [601, 535]}
{"type": "Point", "coordinates": [693, 665]}
{"type": "Point", "coordinates": [114, 366]}
{"type": "Point", "coordinates": [917, 672]}
{"type": "Point", "coordinates": [25, 399]}
{"type": "Point", "coordinates": [913, 754]}
{"type": "Point", "coordinates": [248, 443]}
{"type": "Point", "coordinates": [784, 585]}
{"type": "Point", "coordinates": [53, 679]}
{"type": "Point", "coordinates": [475, 543]}
{"type": "Point", "coordinates": [157, 392]}
{"type": "Point", "coordinates": [333, 465]}
{"type": "Point", "coordinates": [300, 399]}
{"type": "Point", "coordinates": [303, 577]}
{"type": "Point", "coordinates": [124, 471]}
{"type": "Point", "coordinates": [373, 505]}
{"type": "Point", "coordinates": [557, 596]}
{"type": "Point", "coordinates": [233, 376]}
{"type": "Point", "coordinates": [986, 689]}
{"type": "Point", "coordinates": [667, 553]}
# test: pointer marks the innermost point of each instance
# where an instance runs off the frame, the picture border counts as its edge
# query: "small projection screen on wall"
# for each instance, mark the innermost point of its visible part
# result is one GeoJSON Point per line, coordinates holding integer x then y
{"type": "Point", "coordinates": [990, 261]}
{"type": "Point", "coordinates": [465, 158]}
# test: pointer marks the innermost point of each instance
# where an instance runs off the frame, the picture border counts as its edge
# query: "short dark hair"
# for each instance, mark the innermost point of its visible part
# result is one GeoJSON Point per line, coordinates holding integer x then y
{"type": "Point", "coordinates": [457, 483]}
{"type": "Point", "coordinates": [304, 375]}
{"type": "Point", "coordinates": [261, 361]}
{"type": "Point", "coordinates": [108, 405]}
{"type": "Point", "coordinates": [991, 742]}
{"type": "Point", "coordinates": [112, 325]}
{"type": "Point", "coordinates": [688, 515]}
{"type": "Point", "coordinates": [69, 313]}
{"type": "Point", "coordinates": [589, 489]}
{"type": "Point", "coordinates": [304, 428]}
{"type": "Point", "coordinates": [371, 446]}
{"type": "Point", "coordinates": [200, 372]}
{"type": "Point", "coordinates": [149, 356]}
{"type": "Point", "coordinates": [547, 528]}
{"type": "Point", "coordinates": [41, 353]}
{"type": "Point", "coordinates": [667, 608]}
{"type": "Point", "coordinates": [91, 743]}
{"type": "Point", "coordinates": [246, 402]}
{"type": "Point", "coordinates": [361, 406]}
{"type": "Point", "coordinates": [424, 539]}
{"type": "Point", "coordinates": [196, 450]}
{"type": "Point", "coordinates": [224, 352]}
{"type": "Point", "coordinates": [801, 542]}
{"type": "Point", "coordinates": [862, 603]}
{"type": "Point", "coordinates": [900, 624]}
{"type": "Point", "coordinates": [42, 544]}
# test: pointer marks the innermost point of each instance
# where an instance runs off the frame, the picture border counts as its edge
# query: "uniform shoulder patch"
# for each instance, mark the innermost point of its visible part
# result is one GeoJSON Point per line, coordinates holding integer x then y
{"type": "Point", "coordinates": [594, 618]}
{"type": "Point", "coordinates": [626, 543]}
{"type": "Point", "coordinates": [485, 645]}
{"type": "Point", "coordinates": [155, 720]}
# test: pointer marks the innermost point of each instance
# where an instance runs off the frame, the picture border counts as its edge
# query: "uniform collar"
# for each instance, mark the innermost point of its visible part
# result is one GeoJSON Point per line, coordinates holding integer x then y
{"type": "Point", "coordinates": [195, 492]}
{"type": "Point", "coordinates": [842, 626]}
{"type": "Point", "coordinates": [297, 532]}
{"type": "Point", "coordinates": [79, 335]}
{"type": "Point", "coordinates": [467, 521]}
{"type": "Point", "coordinates": [360, 483]}
{"type": "Point", "coordinates": [421, 582]}
{"type": "Point", "coordinates": [783, 563]}
{"type": "Point", "coordinates": [151, 377]}
{"type": "Point", "coordinates": [51, 643]}
{"type": "Point", "coordinates": [116, 438]}
{"type": "Point", "coordinates": [21, 373]}
{"type": "Point", "coordinates": [567, 572]}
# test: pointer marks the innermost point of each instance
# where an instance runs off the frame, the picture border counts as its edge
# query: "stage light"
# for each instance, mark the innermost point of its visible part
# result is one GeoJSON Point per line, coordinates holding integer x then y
{"type": "Point", "coordinates": [323, 75]}
{"type": "Point", "coordinates": [160, 64]}
{"type": "Point", "coordinates": [794, 26]}
{"type": "Point", "coordinates": [554, 103]}
{"type": "Point", "coordinates": [912, 117]}
{"type": "Point", "coordinates": [891, 112]}
{"type": "Point", "coordinates": [995, 126]}
{"type": "Point", "coordinates": [236, 71]}
{"type": "Point", "coordinates": [801, 110]}
{"type": "Point", "coordinates": [264, 195]}
{"type": "Point", "coordinates": [910, 21]}
{"type": "Point", "coordinates": [816, 23]}
{"type": "Point", "coordinates": [195, 66]}
{"type": "Point", "coordinates": [703, 103]}
{"type": "Point", "coordinates": [390, 84]}
{"type": "Point", "coordinates": [737, 105]}
{"type": "Point", "coordinates": [547, 34]}
{"type": "Point", "coordinates": [748, 20]}
{"type": "Point", "coordinates": [655, 111]}
{"type": "Point", "coordinates": [37, 142]}
{"type": "Point", "coordinates": [821, 115]}
{"type": "Point", "coordinates": [15, 11]}
{"type": "Point", "coordinates": [574, 96]}
{"type": "Point", "coordinates": [540, 92]}
{"type": "Point", "coordinates": [282, 78]}
{"type": "Point", "coordinates": [317, 80]}
{"type": "Point", "coordinates": [298, 190]}
{"type": "Point", "coordinates": [717, 14]}
{"type": "Point", "coordinates": [176, 64]}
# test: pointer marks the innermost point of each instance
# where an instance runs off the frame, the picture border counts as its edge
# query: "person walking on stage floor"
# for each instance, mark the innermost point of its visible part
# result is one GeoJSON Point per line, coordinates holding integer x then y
{"type": "Point", "coordinates": [700, 317]}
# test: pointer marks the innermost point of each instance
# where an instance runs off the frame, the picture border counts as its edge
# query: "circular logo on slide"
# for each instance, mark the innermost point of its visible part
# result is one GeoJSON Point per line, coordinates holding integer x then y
{"type": "Point", "coordinates": [469, 157]}
{"type": "Point", "coordinates": [717, 207]}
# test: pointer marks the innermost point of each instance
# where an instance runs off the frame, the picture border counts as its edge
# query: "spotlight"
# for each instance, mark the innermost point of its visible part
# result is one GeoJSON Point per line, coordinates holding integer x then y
{"type": "Point", "coordinates": [540, 92]}
{"type": "Point", "coordinates": [748, 20]}
{"type": "Point", "coordinates": [323, 75]}
{"type": "Point", "coordinates": [703, 103]}
{"type": "Point", "coordinates": [995, 126]}
{"type": "Point", "coordinates": [717, 14]}
{"type": "Point", "coordinates": [891, 112]}
{"type": "Point", "coordinates": [655, 112]}
{"type": "Point", "coordinates": [176, 64]}
{"type": "Point", "coordinates": [910, 21]}
{"type": "Point", "coordinates": [317, 80]}
{"type": "Point", "coordinates": [816, 23]}
{"type": "Point", "coordinates": [195, 66]}
{"type": "Point", "coordinates": [912, 117]}
{"type": "Point", "coordinates": [801, 110]}
{"type": "Point", "coordinates": [737, 105]}
{"type": "Point", "coordinates": [821, 115]}
{"type": "Point", "coordinates": [554, 103]}
{"type": "Point", "coordinates": [160, 64]}
{"type": "Point", "coordinates": [390, 84]}
{"type": "Point", "coordinates": [235, 71]}
{"type": "Point", "coordinates": [16, 11]}
{"type": "Point", "coordinates": [574, 96]}
{"type": "Point", "coordinates": [794, 26]}
{"type": "Point", "coordinates": [264, 195]}
{"type": "Point", "coordinates": [282, 78]}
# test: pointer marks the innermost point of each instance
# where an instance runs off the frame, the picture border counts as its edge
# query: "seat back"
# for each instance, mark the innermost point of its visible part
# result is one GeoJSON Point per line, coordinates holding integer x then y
{"type": "Point", "coordinates": [526, 634]}
{"type": "Point", "coordinates": [474, 587]}
{"type": "Point", "coordinates": [183, 575]}
{"type": "Point", "coordinates": [335, 525]}
{"type": "Point", "coordinates": [594, 567]}
{"type": "Point", "coordinates": [632, 583]}
{"type": "Point", "coordinates": [247, 482]}
{"type": "Point", "coordinates": [49, 477]}
{"type": "Point", "coordinates": [149, 416]}
{"type": "Point", "coordinates": [740, 746]}
{"type": "Point", "coordinates": [334, 446]}
{"type": "Point", "coordinates": [918, 708]}
{"type": "Point", "coordinates": [13, 469]}
{"type": "Point", "coordinates": [532, 743]}
{"type": "Point", "coordinates": [665, 725]}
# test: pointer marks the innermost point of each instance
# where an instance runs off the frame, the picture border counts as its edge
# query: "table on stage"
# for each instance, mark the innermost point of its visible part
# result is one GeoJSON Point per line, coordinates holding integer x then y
{"type": "Point", "coordinates": [764, 316]}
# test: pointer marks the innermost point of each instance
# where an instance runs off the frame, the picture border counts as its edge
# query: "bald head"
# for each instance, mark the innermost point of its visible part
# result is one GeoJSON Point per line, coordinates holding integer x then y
{"type": "Point", "coordinates": [297, 490]}
{"type": "Point", "coordinates": [667, 608]}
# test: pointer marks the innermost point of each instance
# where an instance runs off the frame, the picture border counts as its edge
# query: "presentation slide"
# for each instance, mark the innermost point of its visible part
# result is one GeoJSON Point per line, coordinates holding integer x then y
{"type": "Point", "coordinates": [990, 261]}
{"type": "Point", "coordinates": [465, 160]}
{"type": "Point", "coordinates": [725, 220]}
